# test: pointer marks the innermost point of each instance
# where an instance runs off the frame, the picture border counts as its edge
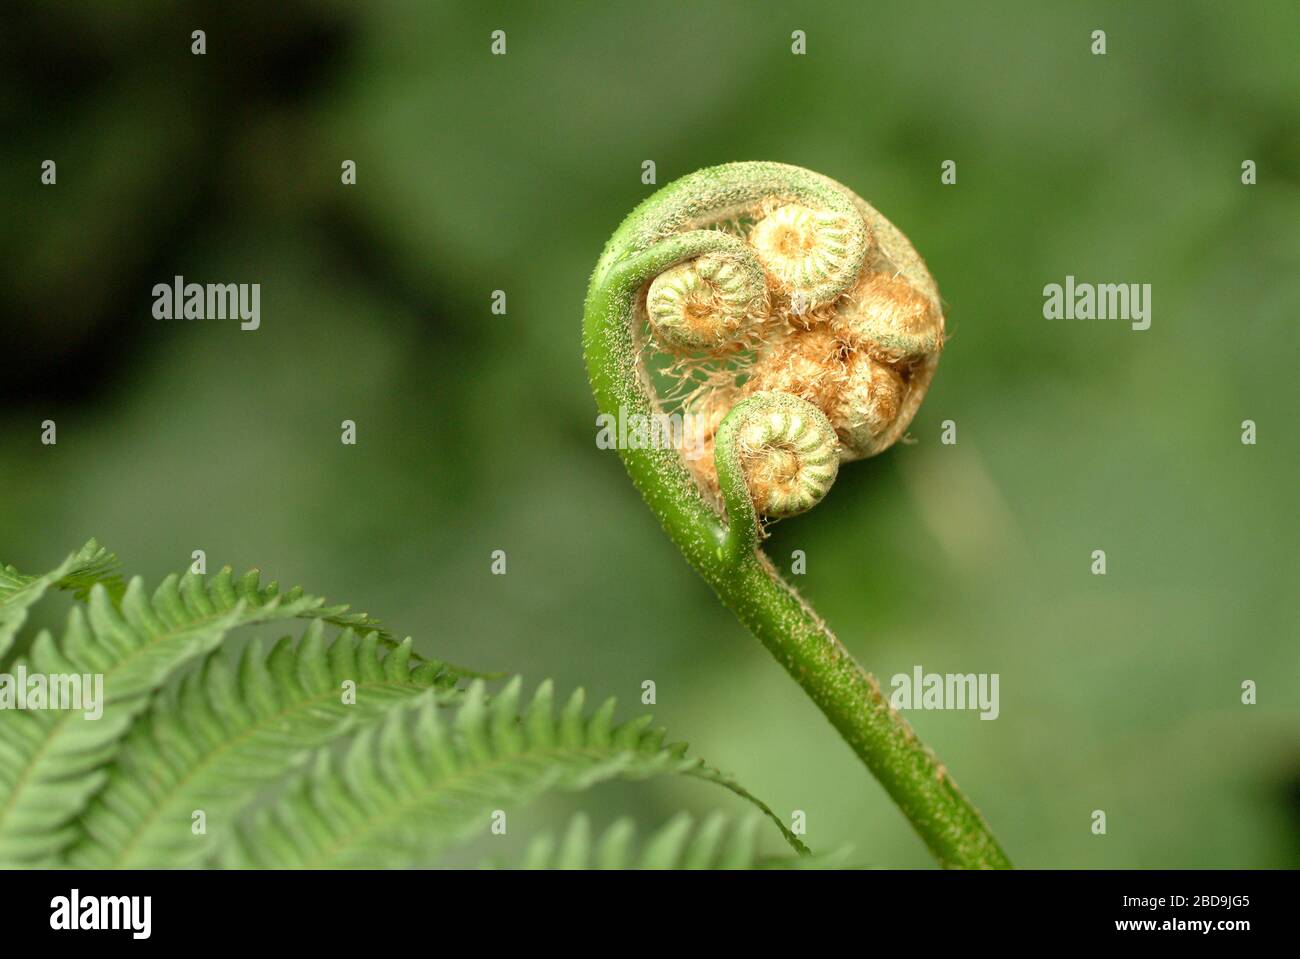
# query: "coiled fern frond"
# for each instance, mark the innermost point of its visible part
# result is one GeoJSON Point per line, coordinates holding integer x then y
{"type": "Point", "coordinates": [805, 329]}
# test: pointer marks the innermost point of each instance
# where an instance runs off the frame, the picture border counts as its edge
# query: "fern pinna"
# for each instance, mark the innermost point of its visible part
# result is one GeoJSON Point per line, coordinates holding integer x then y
{"type": "Point", "coordinates": [681, 843]}
{"type": "Point", "coordinates": [320, 751]}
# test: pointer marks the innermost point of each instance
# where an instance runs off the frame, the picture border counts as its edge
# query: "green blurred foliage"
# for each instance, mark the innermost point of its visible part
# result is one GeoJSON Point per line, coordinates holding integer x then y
{"type": "Point", "coordinates": [476, 432]}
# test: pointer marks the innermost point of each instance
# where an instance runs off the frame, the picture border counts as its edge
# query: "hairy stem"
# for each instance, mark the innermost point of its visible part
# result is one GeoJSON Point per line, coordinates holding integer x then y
{"type": "Point", "coordinates": [728, 557]}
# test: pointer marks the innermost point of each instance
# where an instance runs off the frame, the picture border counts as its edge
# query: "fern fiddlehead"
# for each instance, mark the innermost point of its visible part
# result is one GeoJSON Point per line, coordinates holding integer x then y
{"type": "Point", "coordinates": [846, 335]}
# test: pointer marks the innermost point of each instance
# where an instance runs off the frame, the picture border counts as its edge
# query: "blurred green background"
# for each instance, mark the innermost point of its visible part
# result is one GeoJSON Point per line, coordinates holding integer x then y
{"type": "Point", "coordinates": [476, 432]}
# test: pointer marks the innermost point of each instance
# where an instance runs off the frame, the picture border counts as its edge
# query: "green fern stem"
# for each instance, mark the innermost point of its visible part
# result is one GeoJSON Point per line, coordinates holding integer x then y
{"type": "Point", "coordinates": [725, 551]}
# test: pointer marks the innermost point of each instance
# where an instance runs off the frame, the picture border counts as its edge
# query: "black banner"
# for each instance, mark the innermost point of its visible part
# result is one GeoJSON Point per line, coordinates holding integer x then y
{"type": "Point", "coordinates": [333, 909]}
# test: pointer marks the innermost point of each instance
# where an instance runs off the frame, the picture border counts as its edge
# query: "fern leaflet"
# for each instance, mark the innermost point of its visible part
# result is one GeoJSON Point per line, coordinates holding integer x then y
{"type": "Point", "coordinates": [51, 759]}
{"type": "Point", "coordinates": [225, 733]}
{"type": "Point", "coordinates": [405, 790]}
{"type": "Point", "coordinates": [79, 572]}
{"type": "Point", "coordinates": [715, 843]}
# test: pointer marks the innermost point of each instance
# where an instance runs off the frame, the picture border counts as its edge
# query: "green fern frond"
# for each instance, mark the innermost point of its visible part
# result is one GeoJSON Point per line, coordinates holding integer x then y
{"type": "Point", "coordinates": [406, 789]}
{"type": "Point", "coordinates": [51, 760]}
{"type": "Point", "coordinates": [386, 782]}
{"type": "Point", "coordinates": [716, 843]}
{"type": "Point", "coordinates": [79, 572]}
{"type": "Point", "coordinates": [225, 733]}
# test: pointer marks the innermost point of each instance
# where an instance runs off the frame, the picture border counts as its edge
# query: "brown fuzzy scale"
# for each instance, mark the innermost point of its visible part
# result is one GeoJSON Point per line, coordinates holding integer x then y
{"type": "Point", "coordinates": [809, 364]}
{"type": "Point", "coordinates": [770, 473]}
{"type": "Point", "coordinates": [867, 407]}
{"type": "Point", "coordinates": [859, 395]}
{"type": "Point", "coordinates": [704, 414]}
{"type": "Point", "coordinates": [889, 318]}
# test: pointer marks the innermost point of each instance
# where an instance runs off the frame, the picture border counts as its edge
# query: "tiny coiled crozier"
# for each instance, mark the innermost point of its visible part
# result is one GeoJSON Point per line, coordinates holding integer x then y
{"type": "Point", "coordinates": [811, 294]}
{"type": "Point", "coordinates": [788, 451]}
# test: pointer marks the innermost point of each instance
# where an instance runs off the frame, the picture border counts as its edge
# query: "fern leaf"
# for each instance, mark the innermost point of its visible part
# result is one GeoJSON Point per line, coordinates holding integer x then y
{"type": "Point", "coordinates": [223, 734]}
{"type": "Point", "coordinates": [406, 789]}
{"type": "Point", "coordinates": [715, 843]}
{"type": "Point", "coordinates": [79, 572]}
{"type": "Point", "coordinates": [50, 760]}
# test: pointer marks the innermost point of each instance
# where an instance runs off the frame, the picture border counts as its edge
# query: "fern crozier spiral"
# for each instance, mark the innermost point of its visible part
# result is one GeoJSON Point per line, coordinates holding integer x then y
{"type": "Point", "coordinates": [811, 253]}
{"type": "Point", "coordinates": [789, 453]}
{"type": "Point", "coordinates": [706, 303]}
